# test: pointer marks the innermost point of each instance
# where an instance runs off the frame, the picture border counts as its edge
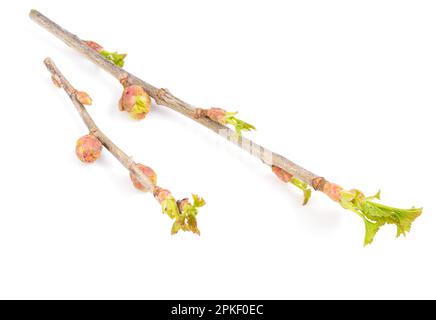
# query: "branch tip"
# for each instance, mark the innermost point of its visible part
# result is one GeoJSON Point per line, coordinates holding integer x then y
{"type": "Point", "coordinates": [375, 215]}
{"type": "Point", "coordinates": [183, 212]}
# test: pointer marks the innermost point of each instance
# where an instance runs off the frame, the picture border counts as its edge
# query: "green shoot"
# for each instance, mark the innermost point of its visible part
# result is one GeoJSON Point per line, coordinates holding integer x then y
{"type": "Point", "coordinates": [237, 123]}
{"type": "Point", "coordinates": [169, 206]}
{"type": "Point", "coordinates": [185, 219]}
{"type": "Point", "coordinates": [115, 57]}
{"type": "Point", "coordinates": [375, 215]}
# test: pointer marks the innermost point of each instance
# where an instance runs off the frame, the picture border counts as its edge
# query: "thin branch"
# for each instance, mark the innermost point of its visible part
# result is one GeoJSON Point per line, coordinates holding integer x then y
{"type": "Point", "coordinates": [183, 212]}
{"type": "Point", "coordinates": [122, 157]}
{"type": "Point", "coordinates": [373, 214]}
{"type": "Point", "coordinates": [165, 98]}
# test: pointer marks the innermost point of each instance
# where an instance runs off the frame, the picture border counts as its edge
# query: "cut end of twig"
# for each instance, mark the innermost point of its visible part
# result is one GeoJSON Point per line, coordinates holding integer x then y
{"type": "Point", "coordinates": [33, 13]}
{"type": "Point", "coordinates": [47, 61]}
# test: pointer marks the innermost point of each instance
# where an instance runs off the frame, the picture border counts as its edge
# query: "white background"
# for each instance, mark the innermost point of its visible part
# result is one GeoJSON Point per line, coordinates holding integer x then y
{"type": "Point", "coordinates": [345, 88]}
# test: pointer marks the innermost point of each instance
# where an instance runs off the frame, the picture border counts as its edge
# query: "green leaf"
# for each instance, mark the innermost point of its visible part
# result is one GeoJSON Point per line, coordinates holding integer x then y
{"type": "Point", "coordinates": [198, 202]}
{"type": "Point", "coordinates": [371, 229]}
{"type": "Point", "coordinates": [176, 227]}
{"type": "Point", "coordinates": [115, 57]}
{"type": "Point", "coordinates": [303, 186]}
{"type": "Point", "coordinates": [140, 106]}
{"type": "Point", "coordinates": [191, 224]}
{"type": "Point", "coordinates": [185, 220]}
{"type": "Point", "coordinates": [238, 124]}
{"type": "Point", "coordinates": [375, 215]}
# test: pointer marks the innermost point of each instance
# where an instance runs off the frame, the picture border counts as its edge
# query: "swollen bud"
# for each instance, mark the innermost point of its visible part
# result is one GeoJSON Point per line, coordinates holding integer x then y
{"type": "Point", "coordinates": [282, 174]}
{"type": "Point", "coordinates": [94, 45]}
{"type": "Point", "coordinates": [83, 98]}
{"type": "Point", "coordinates": [135, 101]}
{"type": "Point", "coordinates": [217, 115]}
{"type": "Point", "coordinates": [148, 172]}
{"type": "Point", "coordinates": [88, 148]}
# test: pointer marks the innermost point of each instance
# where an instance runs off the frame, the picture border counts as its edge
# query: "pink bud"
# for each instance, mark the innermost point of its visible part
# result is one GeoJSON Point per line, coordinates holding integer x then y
{"type": "Point", "coordinates": [83, 98]}
{"type": "Point", "coordinates": [282, 174]}
{"type": "Point", "coordinates": [333, 191]}
{"type": "Point", "coordinates": [94, 46]}
{"type": "Point", "coordinates": [88, 148]}
{"type": "Point", "coordinates": [217, 114]}
{"type": "Point", "coordinates": [148, 172]}
{"type": "Point", "coordinates": [135, 101]}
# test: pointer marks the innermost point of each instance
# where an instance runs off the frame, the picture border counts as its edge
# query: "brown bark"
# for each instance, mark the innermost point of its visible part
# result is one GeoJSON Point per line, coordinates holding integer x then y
{"type": "Point", "coordinates": [59, 79]}
{"type": "Point", "coordinates": [165, 98]}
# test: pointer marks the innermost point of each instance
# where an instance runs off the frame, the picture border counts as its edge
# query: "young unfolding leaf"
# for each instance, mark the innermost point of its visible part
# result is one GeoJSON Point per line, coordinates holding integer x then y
{"type": "Point", "coordinates": [303, 186]}
{"type": "Point", "coordinates": [375, 215]}
{"type": "Point", "coordinates": [224, 117]}
{"type": "Point", "coordinates": [115, 57]}
{"type": "Point", "coordinates": [238, 124]}
{"type": "Point", "coordinates": [188, 216]}
{"type": "Point", "coordinates": [169, 206]}
{"type": "Point", "coordinates": [141, 107]}
{"type": "Point", "coordinates": [289, 178]}
{"type": "Point", "coordinates": [198, 202]}
{"type": "Point", "coordinates": [183, 213]}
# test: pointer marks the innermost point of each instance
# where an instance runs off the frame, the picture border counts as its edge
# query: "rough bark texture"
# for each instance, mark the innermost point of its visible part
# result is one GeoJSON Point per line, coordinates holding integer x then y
{"type": "Point", "coordinates": [122, 157]}
{"type": "Point", "coordinates": [165, 98]}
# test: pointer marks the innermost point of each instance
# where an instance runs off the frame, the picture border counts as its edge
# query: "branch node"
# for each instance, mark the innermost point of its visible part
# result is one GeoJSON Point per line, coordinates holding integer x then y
{"type": "Point", "coordinates": [200, 113]}
{"type": "Point", "coordinates": [318, 183]}
{"type": "Point", "coordinates": [125, 80]}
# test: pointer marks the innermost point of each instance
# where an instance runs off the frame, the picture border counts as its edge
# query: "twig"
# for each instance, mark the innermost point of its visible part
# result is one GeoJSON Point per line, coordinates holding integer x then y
{"type": "Point", "coordinates": [165, 98]}
{"type": "Point", "coordinates": [373, 214]}
{"type": "Point", "coordinates": [169, 204]}
{"type": "Point", "coordinates": [122, 157]}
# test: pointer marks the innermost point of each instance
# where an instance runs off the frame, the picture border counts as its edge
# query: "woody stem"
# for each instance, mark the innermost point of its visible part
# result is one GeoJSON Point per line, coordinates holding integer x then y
{"type": "Point", "coordinates": [165, 98]}
{"type": "Point", "coordinates": [122, 157]}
